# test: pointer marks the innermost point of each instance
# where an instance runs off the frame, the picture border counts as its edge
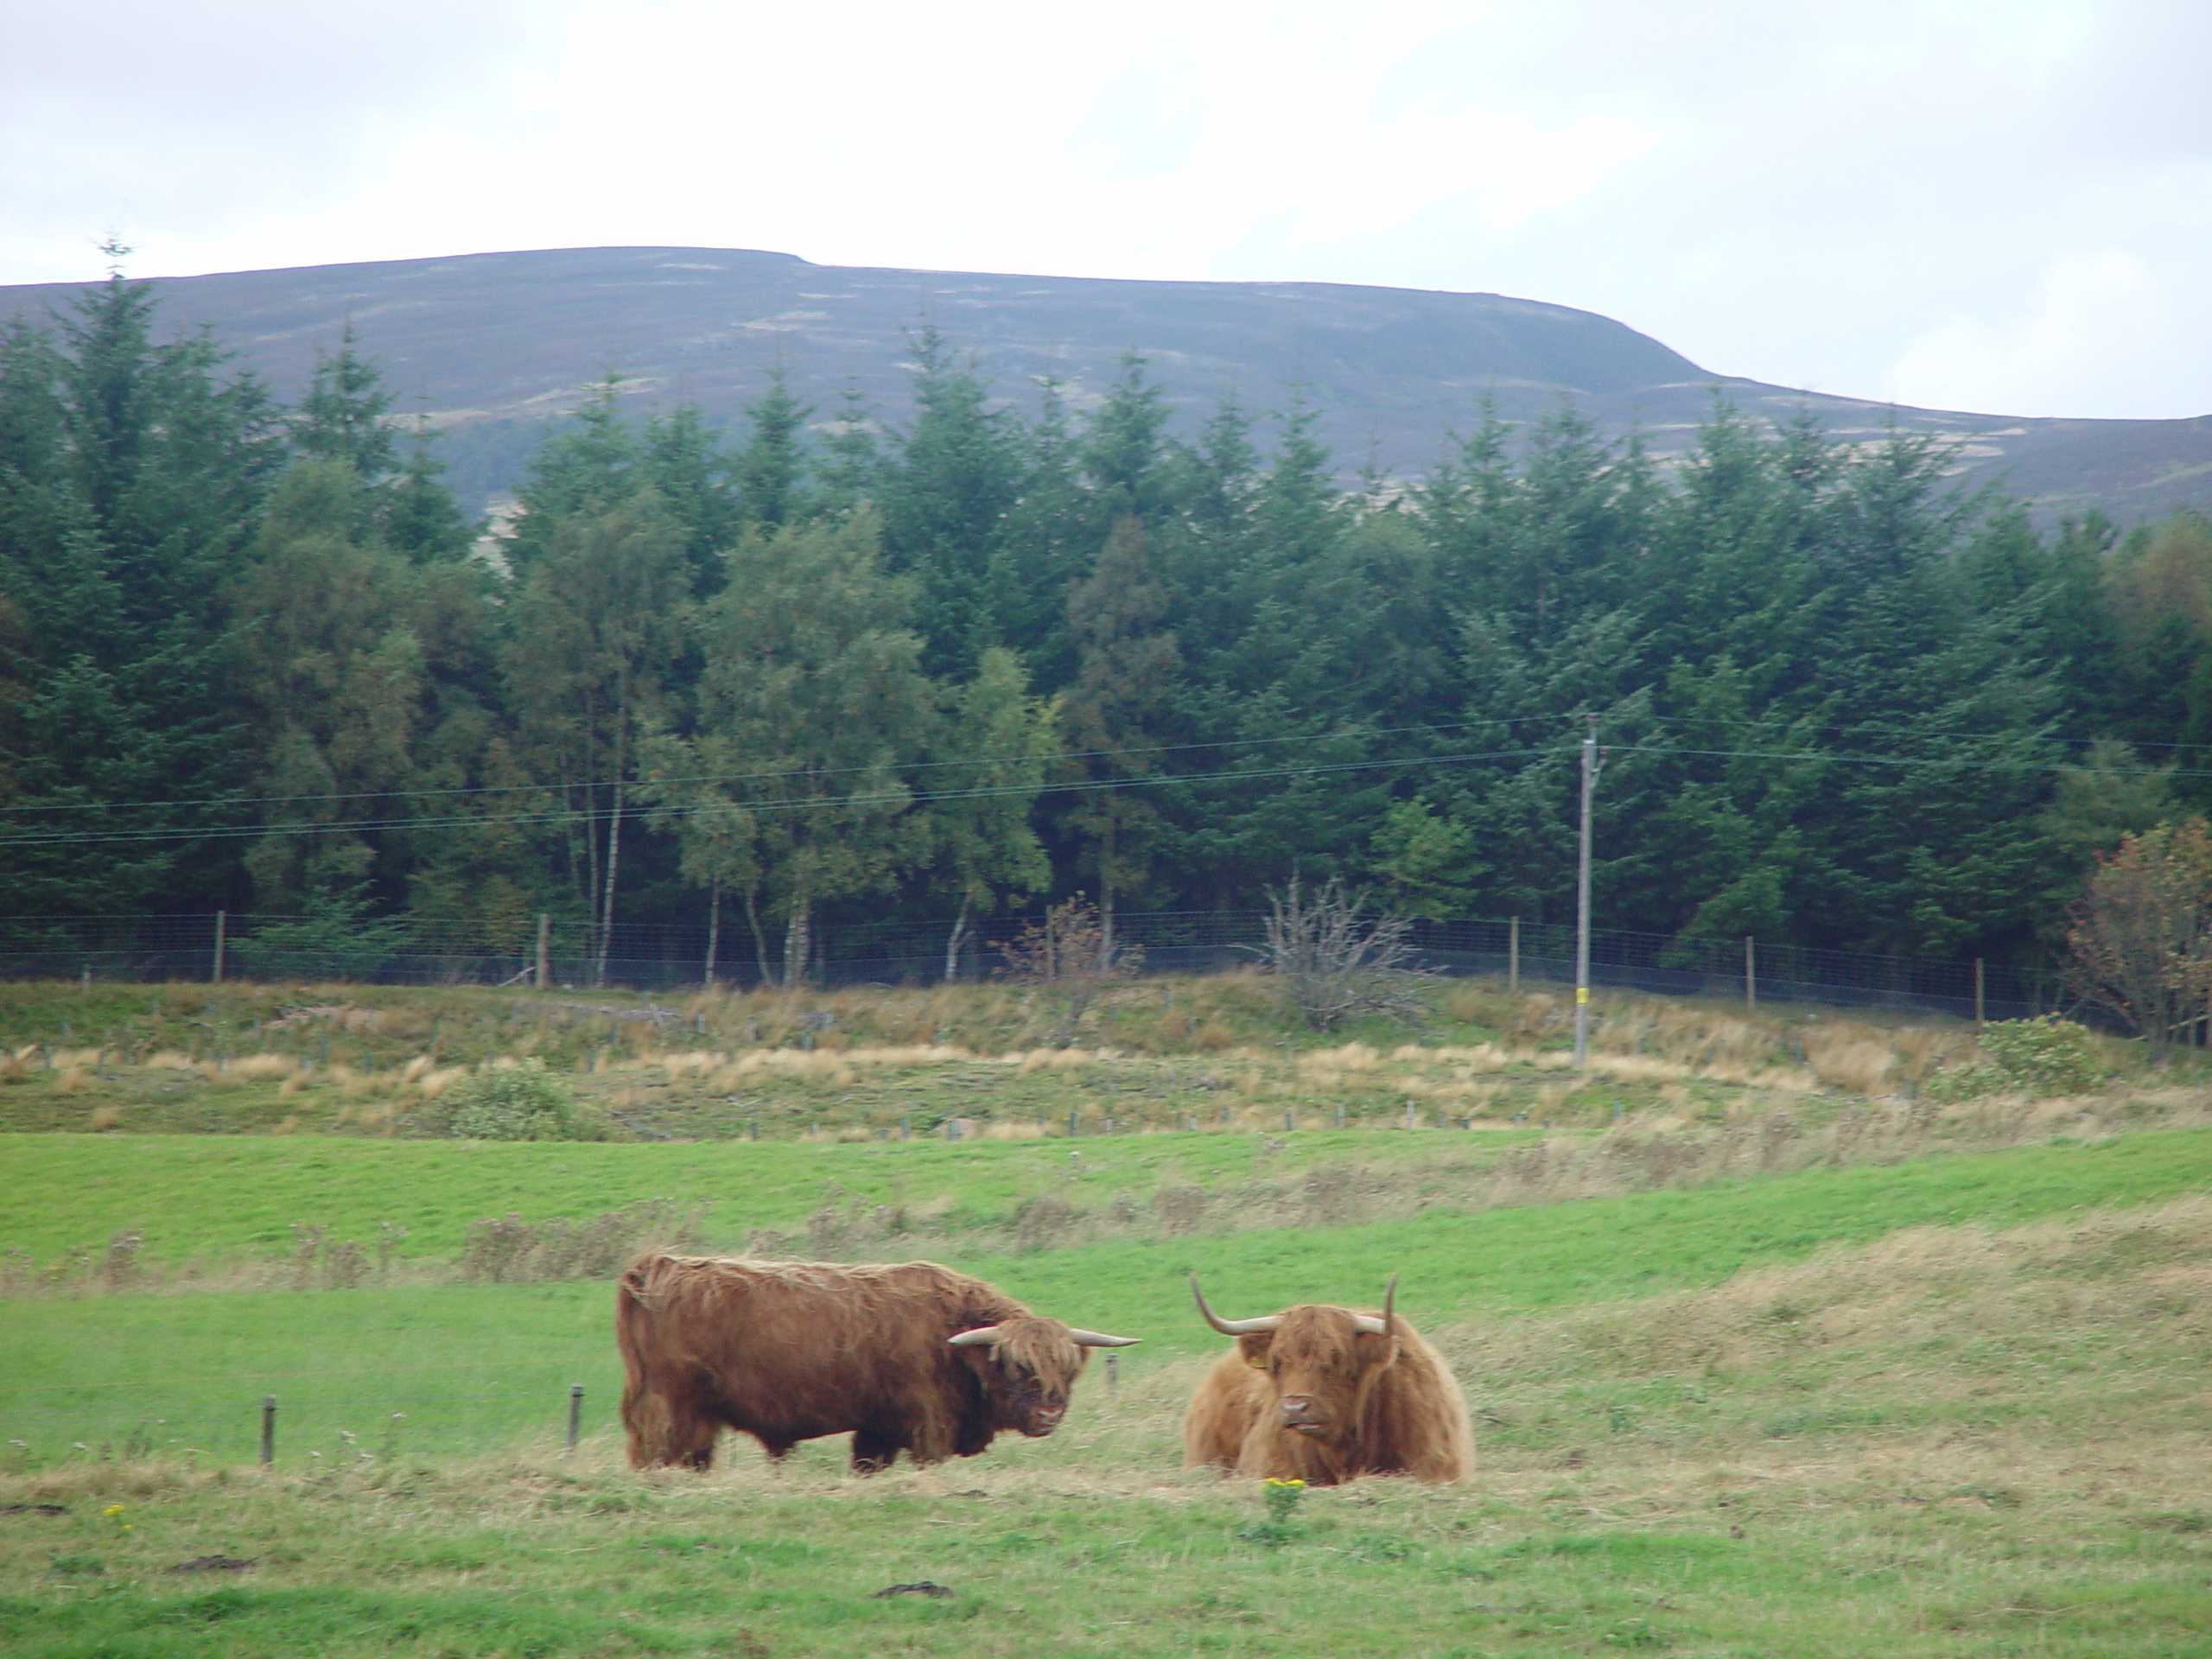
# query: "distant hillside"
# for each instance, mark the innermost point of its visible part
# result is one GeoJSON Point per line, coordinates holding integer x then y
{"type": "Point", "coordinates": [492, 345]}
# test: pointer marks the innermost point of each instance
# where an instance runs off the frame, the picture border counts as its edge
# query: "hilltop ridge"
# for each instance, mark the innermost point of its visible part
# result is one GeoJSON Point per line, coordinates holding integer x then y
{"type": "Point", "coordinates": [490, 345]}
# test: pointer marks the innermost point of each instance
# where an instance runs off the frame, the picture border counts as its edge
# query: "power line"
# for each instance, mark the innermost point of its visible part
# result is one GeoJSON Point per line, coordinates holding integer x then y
{"type": "Point", "coordinates": [1089, 755]}
{"type": "Point", "coordinates": [794, 772]}
{"type": "Point", "coordinates": [1337, 733]}
{"type": "Point", "coordinates": [902, 799]}
{"type": "Point", "coordinates": [899, 799]}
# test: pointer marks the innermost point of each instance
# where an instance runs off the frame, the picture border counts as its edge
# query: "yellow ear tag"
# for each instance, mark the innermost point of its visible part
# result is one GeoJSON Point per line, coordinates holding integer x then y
{"type": "Point", "coordinates": [1256, 1364]}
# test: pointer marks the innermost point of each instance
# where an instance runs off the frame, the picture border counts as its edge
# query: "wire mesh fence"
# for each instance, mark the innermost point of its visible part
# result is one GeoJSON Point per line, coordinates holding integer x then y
{"type": "Point", "coordinates": [291, 1422]}
{"type": "Point", "coordinates": [674, 957]}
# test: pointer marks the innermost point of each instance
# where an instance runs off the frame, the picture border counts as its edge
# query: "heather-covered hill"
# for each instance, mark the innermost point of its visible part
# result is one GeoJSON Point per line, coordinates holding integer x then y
{"type": "Point", "coordinates": [490, 345]}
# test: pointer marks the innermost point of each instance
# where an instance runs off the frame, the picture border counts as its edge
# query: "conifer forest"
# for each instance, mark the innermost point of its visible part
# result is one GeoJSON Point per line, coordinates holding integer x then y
{"type": "Point", "coordinates": [1023, 645]}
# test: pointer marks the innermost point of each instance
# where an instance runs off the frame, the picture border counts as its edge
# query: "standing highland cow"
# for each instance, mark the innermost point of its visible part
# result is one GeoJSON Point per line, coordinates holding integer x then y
{"type": "Point", "coordinates": [1324, 1395]}
{"type": "Point", "coordinates": [915, 1358]}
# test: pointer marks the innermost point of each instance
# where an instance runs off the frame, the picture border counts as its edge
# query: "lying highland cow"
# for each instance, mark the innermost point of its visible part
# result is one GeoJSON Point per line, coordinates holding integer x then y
{"type": "Point", "coordinates": [1324, 1395]}
{"type": "Point", "coordinates": [915, 1358]}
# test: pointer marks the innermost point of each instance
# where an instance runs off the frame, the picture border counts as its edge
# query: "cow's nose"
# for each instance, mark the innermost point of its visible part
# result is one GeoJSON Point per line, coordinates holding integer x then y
{"type": "Point", "coordinates": [1297, 1408]}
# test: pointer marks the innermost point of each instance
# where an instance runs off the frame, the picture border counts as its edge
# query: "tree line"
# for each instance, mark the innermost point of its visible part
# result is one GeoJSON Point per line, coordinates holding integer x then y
{"type": "Point", "coordinates": [823, 666]}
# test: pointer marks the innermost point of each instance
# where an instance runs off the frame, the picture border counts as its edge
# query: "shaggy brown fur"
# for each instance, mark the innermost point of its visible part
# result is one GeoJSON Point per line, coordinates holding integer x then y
{"type": "Point", "coordinates": [1317, 1400]}
{"type": "Point", "coordinates": [789, 1351]}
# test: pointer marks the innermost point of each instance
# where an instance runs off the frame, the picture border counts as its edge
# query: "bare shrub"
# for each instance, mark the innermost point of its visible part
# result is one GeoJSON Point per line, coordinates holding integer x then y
{"type": "Point", "coordinates": [1331, 1193]}
{"type": "Point", "coordinates": [345, 1266]}
{"type": "Point", "coordinates": [120, 1265]}
{"type": "Point", "coordinates": [1071, 952]}
{"type": "Point", "coordinates": [388, 1237]}
{"type": "Point", "coordinates": [1041, 1222]}
{"type": "Point", "coordinates": [1334, 962]}
{"type": "Point", "coordinates": [2139, 944]}
{"type": "Point", "coordinates": [506, 1250]}
{"type": "Point", "coordinates": [1180, 1208]}
{"type": "Point", "coordinates": [306, 1245]}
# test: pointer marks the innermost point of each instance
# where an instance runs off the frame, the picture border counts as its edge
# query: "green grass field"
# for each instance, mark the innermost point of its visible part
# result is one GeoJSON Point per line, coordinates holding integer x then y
{"type": "Point", "coordinates": [226, 1196]}
{"type": "Point", "coordinates": [1948, 1441]}
{"type": "Point", "coordinates": [475, 1366]}
{"type": "Point", "coordinates": [1761, 1362]}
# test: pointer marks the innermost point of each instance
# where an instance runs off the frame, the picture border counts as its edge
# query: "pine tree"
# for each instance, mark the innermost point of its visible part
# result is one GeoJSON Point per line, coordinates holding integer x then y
{"type": "Point", "coordinates": [416, 514]}
{"type": "Point", "coordinates": [132, 474]}
{"type": "Point", "coordinates": [770, 465]}
{"type": "Point", "coordinates": [1126, 670]}
{"type": "Point", "coordinates": [956, 474]}
{"type": "Point", "coordinates": [342, 417]}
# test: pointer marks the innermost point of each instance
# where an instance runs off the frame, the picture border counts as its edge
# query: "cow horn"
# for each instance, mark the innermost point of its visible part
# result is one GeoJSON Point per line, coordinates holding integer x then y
{"type": "Point", "coordinates": [1232, 1327]}
{"type": "Point", "coordinates": [986, 1336]}
{"type": "Point", "coordinates": [1368, 1325]}
{"type": "Point", "coordinates": [1100, 1339]}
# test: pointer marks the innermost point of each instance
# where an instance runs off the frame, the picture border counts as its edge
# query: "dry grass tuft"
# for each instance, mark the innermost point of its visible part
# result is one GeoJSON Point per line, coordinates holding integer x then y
{"type": "Point", "coordinates": [1054, 1059]}
{"type": "Point", "coordinates": [1847, 1058]}
{"type": "Point", "coordinates": [1927, 1289]}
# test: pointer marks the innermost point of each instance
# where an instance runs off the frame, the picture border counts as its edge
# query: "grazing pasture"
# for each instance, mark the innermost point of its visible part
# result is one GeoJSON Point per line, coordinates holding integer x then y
{"type": "Point", "coordinates": [1775, 1341]}
{"type": "Point", "coordinates": [1953, 1440]}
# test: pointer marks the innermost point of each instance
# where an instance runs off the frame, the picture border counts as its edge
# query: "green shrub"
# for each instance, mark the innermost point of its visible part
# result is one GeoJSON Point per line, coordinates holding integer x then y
{"type": "Point", "coordinates": [518, 1102]}
{"type": "Point", "coordinates": [2043, 1056]}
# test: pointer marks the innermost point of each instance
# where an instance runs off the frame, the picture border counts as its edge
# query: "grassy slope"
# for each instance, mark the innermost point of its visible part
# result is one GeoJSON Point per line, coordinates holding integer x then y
{"type": "Point", "coordinates": [474, 1365]}
{"type": "Point", "coordinates": [1899, 1445]}
{"type": "Point", "coordinates": [226, 1195]}
{"type": "Point", "coordinates": [1950, 1442]}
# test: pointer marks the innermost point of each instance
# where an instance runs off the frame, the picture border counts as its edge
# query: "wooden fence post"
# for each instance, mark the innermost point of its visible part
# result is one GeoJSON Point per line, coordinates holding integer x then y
{"type": "Point", "coordinates": [575, 1412]}
{"type": "Point", "coordinates": [222, 927]}
{"type": "Point", "coordinates": [1750, 973]}
{"type": "Point", "coordinates": [544, 943]}
{"type": "Point", "coordinates": [1977, 991]}
{"type": "Point", "coordinates": [1513, 954]}
{"type": "Point", "coordinates": [268, 1428]}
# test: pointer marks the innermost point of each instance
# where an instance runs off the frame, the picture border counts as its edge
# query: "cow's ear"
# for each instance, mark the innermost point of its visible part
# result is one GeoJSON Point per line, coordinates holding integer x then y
{"type": "Point", "coordinates": [1254, 1345]}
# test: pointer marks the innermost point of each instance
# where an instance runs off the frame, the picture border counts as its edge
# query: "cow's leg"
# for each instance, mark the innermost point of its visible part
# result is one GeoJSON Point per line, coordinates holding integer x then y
{"type": "Point", "coordinates": [873, 1451]}
{"type": "Point", "coordinates": [777, 1450]}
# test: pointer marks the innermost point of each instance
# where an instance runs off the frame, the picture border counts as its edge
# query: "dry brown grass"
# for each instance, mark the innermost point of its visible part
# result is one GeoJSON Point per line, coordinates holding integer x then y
{"type": "Point", "coordinates": [1154, 1056]}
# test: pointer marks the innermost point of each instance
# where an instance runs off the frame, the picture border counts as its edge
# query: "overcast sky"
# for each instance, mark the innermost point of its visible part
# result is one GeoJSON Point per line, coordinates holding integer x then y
{"type": "Point", "coordinates": [1996, 205]}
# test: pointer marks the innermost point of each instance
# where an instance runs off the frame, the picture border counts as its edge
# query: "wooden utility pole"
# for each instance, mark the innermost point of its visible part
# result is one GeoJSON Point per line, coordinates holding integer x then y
{"type": "Point", "coordinates": [1592, 763]}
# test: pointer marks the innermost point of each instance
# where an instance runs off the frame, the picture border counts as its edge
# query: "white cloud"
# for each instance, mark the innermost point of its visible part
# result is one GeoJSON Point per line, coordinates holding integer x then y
{"type": "Point", "coordinates": [2096, 336]}
{"type": "Point", "coordinates": [1839, 197]}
